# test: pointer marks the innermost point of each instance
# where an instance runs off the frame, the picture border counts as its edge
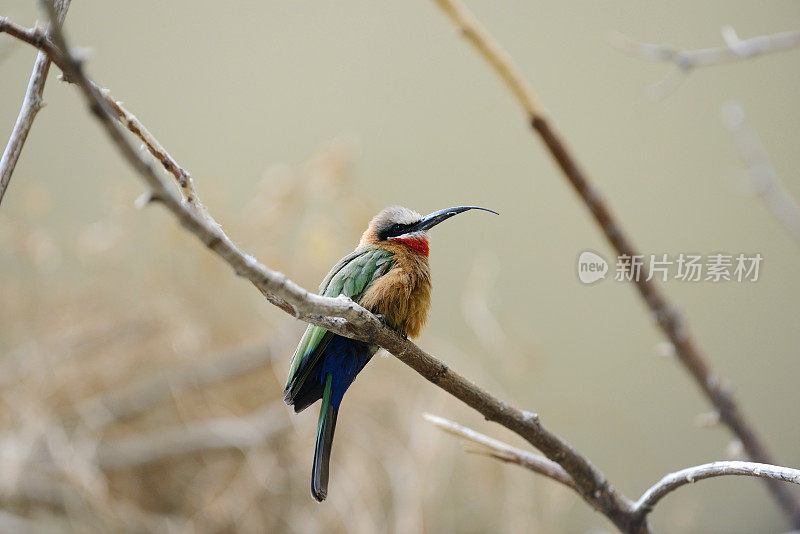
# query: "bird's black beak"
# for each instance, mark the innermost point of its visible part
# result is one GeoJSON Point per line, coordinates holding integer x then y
{"type": "Point", "coordinates": [432, 219]}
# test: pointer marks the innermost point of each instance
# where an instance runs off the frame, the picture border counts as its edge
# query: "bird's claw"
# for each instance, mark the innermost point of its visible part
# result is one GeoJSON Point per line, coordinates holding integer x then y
{"type": "Point", "coordinates": [382, 318]}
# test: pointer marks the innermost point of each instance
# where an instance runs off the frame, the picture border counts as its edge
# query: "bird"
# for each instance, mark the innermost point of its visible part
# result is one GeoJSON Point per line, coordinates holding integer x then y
{"type": "Point", "coordinates": [388, 274]}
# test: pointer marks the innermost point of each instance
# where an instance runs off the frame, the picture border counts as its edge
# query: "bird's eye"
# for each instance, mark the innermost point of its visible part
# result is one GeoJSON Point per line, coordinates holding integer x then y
{"type": "Point", "coordinates": [394, 230]}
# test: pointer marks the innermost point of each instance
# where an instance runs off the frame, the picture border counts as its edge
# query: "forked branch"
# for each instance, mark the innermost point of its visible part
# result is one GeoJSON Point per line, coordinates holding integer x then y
{"type": "Point", "coordinates": [669, 483]}
{"type": "Point", "coordinates": [685, 61]}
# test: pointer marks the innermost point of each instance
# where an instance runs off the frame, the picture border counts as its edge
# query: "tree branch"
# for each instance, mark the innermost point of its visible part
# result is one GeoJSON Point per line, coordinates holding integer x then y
{"type": "Point", "coordinates": [339, 315]}
{"type": "Point", "coordinates": [735, 49]}
{"type": "Point", "coordinates": [666, 313]}
{"type": "Point", "coordinates": [762, 174]}
{"type": "Point", "coordinates": [690, 475]}
{"type": "Point", "coordinates": [503, 451]}
{"type": "Point", "coordinates": [647, 502]}
{"type": "Point", "coordinates": [130, 121]}
{"type": "Point", "coordinates": [31, 105]}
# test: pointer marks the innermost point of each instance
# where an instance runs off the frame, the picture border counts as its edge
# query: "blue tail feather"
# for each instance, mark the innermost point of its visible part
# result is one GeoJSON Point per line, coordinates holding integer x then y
{"type": "Point", "coordinates": [342, 360]}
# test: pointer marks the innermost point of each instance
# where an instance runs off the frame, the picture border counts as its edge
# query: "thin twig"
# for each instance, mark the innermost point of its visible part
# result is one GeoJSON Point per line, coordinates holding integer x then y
{"type": "Point", "coordinates": [31, 105]}
{"type": "Point", "coordinates": [689, 475]}
{"type": "Point", "coordinates": [328, 312]}
{"type": "Point", "coordinates": [339, 315]}
{"type": "Point", "coordinates": [669, 483]}
{"type": "Point", "coordinates": [735, 49]}
{"type": "Point", "coordinates": [130, 121]}
{"type": "Point", "coordinates": [274, 285]}
{"type": "Point", "coordinates": [503, 451]}
{"type": "Point", "coordinates": [125, 117]}
{"type": "Point", "coordinates": [685, 61]}
{"type": "Point", "coordinates": [762, 174]}
{"type": "Point", "coordinates": [666, 313]}
{"type": "Point", "coordinates": [494, 54]}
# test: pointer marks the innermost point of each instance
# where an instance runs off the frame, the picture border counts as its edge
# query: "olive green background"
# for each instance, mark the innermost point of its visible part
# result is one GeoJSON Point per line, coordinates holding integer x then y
{"type": "Point", "coordinates": [232, 88]}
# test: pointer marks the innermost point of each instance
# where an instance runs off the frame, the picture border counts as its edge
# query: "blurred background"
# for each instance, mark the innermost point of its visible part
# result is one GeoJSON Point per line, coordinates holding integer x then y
{"type": "Point", "coordinates": [140, 382]}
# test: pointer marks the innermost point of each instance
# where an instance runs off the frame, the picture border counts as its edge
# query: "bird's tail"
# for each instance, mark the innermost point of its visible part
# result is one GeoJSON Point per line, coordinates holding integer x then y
{"type": "Point", "coordinates": [322, 451]}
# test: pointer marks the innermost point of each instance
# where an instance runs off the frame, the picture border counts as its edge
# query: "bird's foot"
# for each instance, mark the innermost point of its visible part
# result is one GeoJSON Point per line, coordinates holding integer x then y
{"type": "Point", "coordinates": [382, 318]}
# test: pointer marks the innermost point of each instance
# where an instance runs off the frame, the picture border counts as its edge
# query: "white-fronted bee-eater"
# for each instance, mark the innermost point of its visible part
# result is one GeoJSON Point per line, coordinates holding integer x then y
{"type": "Point", "coordinates": [388, 274]}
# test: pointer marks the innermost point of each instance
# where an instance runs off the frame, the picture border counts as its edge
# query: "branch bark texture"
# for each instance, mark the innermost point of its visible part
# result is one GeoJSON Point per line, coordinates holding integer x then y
{"type": "Point", "coordinates": [675, 480]}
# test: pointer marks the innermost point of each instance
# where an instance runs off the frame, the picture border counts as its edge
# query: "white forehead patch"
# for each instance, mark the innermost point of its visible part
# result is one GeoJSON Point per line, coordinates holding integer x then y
{"type": "Point", "coordinates": [396, 214]}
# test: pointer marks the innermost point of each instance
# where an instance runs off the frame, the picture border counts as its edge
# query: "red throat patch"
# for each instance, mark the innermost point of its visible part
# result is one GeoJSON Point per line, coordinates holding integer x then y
{"type": "Point", "coordinates": [418, 245]}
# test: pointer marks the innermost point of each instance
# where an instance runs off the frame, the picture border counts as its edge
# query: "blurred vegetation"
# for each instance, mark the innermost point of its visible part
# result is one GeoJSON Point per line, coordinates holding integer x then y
{"type": "Point", "coordinates": [106, 380]}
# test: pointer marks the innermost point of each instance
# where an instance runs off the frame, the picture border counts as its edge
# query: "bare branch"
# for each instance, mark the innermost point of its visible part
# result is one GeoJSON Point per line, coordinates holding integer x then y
{"type": "Point", "coordinates": [503, 451]}
{"type": "Point", "coordinates": [339, 315]}
{"type": "Point", "coordinates": [666, 314]}
{"type": "Point", "coordinates": [494, 54]}
{"type": "Point", "coordinates": [31, 105]}
{"type": "Point", "coordinates": [762, 174]}
{"type": "Point", "coordinates": [735, 49]}
{"type": "Point", "coordinates": [130, 121]}
{"type": "Point", "coordinates": [274, 285]}
{"type": "Point", "coordinates": [690, 475]}
{"type": "Point", "coordinates": [41, 41]}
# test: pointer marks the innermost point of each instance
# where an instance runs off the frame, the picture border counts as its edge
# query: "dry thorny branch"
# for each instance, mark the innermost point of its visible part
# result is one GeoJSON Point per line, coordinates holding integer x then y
{"type": "Point", "coordinates": [344, 317]}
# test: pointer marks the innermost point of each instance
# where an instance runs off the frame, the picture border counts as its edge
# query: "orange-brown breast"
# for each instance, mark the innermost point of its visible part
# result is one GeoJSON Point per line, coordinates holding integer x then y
{"type": "Point", "coordinates": [403, 295]}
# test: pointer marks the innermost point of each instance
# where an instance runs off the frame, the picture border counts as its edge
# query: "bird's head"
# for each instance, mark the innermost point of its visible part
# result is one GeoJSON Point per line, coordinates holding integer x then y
{"type": "Point", "coordinates": [399, 226]}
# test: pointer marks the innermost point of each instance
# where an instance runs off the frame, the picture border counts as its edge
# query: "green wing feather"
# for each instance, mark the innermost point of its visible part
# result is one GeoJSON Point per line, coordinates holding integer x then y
{"type": "Point", "coordinates": [351, 277]}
